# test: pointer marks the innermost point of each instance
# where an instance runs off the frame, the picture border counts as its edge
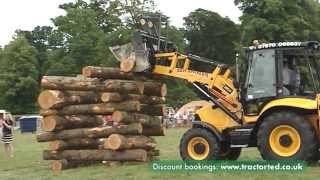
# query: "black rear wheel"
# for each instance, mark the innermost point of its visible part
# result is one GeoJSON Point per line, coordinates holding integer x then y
{"type": "Point", "coordinates": [287, 136]}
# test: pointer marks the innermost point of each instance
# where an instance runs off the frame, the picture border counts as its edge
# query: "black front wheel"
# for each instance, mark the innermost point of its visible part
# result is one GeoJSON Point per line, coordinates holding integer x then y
{"type": "Point", "coordinates": [199, 144]}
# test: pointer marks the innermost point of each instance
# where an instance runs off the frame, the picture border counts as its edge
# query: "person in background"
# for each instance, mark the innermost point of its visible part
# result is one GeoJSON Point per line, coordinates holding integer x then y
{"type": "Point", "coordinates": [7, 136]}
{"type": "Point", "coordinates": [1, 120]}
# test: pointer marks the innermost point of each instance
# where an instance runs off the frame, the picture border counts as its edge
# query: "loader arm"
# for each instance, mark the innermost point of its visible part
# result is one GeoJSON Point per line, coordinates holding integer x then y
{"type": "Point", "coordinates": [153, 54]}
{"type": "Point", "coordinates": [218, 82]}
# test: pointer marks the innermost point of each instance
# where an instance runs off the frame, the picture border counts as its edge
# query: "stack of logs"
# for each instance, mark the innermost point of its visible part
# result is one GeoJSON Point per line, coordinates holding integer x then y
{"type": "Point", "coordinates": [74, 111]}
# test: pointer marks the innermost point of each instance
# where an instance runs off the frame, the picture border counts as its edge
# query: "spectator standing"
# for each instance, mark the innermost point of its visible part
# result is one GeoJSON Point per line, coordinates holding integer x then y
{"type": "Point", "coordinates": [7, 135]}
{"type": "Point", "coordinates": [1, 125]}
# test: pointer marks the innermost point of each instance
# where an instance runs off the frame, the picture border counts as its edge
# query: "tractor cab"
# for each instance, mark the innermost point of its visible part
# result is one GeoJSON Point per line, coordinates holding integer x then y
{"type": "Point", "coordinates": [279, 70]}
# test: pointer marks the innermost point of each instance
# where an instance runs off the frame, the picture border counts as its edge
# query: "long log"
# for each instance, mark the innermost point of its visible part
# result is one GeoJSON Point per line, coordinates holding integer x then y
{"type": "Point", "coordinates": [85, 143]}
{"type": "Point", "coordinates": [117, 97]}
{"type": "Point", "coordinates": [94, 109]}
{"type": "Point", "coordinates": [54, 99]}
{"type": "Point", "coordinates": [155, 89]}
{"type": "Point", "coordinates": [117, 142]}
{"type": "Point", "coordinates": [145, 120]}
{"type": "Point", "coordinates": [154, 110]}
{"type": "Point", "coordinates": [103, 132]}
{"type": "Point", "coordinates": [91, 84]}
{"type": "Point", "coordinates": [53, 123]}
{"type": "Point", "coordinates": [154, 131]}
{"type": "Point", "coordinates": [97, 155]}
{"type": "Point", "coordinates": [105, 73]}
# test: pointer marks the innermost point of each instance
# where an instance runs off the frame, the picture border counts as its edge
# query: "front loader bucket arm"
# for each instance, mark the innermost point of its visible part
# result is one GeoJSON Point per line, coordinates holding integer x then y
{"type": "Point", "coordinates": [142, 50]}
{"type": "Point", "coordinates": [135, 51]}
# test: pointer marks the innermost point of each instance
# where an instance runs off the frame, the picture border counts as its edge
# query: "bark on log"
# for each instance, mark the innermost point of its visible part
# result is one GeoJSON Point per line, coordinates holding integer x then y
{"type": "Point", "coordinates": [86, 143]}
{"type": "Point", "coordinates": [145, 120]}
{"type": "Point", "coordinates": [113, 163]}
{"type": "Point", "coordinates": [154, 110]}
{"type": "Point", "coordinates": [97, 155]}
{"type": "Point", "coordinates": [118, 142]}
{"type": "Point", "coordinates": [153, 158]}
{"type": "Point", "coordinates": [106, 73]}
{"type": "Point", "coordinates": [111, 97]}
{"type": "Point", "coordinates": [154, 131]}
{"type": "Point", "coordinates": [58, 165]}
{"type": "Point", "coordinates": [91, 84]}
{"type": "Point", "coordinates": [94, 109]}
{"type": "Point", "coordinates": [53, 99]}
{"type": "Point", "coordinates": [127, 65]}
{"type": "Point", "coordinates": [155, 89]}
{"type": "Point", "coordinates": [53, 123]}
{"type": "Point", "coordinates": [154, 152]}
{"type": "Point", "coordinates": [152, 100]}
{"type": "Point", "coordinates": [117, 97]}
{"type": "Point", "coordinates": [103, 132]}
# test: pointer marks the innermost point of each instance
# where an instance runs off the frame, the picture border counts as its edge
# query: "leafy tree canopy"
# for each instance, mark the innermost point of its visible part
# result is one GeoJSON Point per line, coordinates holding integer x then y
{"type": "Point", "coordinates": [279, 20]}
{"type": "Point", "coordinates": [211, 36]}
{"type": "Point", "coordinates": [18, 76]}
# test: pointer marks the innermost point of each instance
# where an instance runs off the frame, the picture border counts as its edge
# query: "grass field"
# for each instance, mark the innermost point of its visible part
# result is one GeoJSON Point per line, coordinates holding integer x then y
{"type": "Point", "coordinates": [28, 165]}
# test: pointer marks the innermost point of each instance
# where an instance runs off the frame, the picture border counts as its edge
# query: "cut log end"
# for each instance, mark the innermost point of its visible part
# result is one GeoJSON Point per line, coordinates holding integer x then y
{"type": "Point", "coordinates": [163, 91]}
{"type": "Point", "coordinates": [47, 99]}
{"type": "Point", "coordinates": [127, 65]}
{"type": "Point", "coordinates": [49, 123]}
{"type": "Point", "coordinates": [86, 71]}
{"type": "Point", "coordinates": [113, 142]}
{"type": "Point", "coordinates": [54, 145]}
{"type": "Point", "coordinates": [57, 166]}
{"type": "Point", "coordinates": [117, 116]}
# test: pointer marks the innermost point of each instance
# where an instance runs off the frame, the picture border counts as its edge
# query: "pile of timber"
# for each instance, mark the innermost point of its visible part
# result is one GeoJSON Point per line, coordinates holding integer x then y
{"type": "Point", "coordinates": [74, 110]}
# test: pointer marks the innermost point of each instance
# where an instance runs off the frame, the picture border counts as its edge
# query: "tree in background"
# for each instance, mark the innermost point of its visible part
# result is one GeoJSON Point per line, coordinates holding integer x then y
{"type": "Point", "coordinates": [212, 36]}
{"type": "Point", "coordinates": [133, 10]}
{"type": "Point", "coordinates": [279, 20]}
{"type": "Point", "coordinates": [44, 39]}
{"type": "Point", "coordinates": [18, 76]}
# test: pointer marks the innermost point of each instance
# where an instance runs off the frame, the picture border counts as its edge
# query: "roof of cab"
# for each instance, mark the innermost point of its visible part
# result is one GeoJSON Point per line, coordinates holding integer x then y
{"type": "Point", "coordinates": [311, 44]}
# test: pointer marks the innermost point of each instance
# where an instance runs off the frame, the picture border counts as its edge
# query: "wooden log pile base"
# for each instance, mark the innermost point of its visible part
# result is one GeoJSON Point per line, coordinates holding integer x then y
{"type": "Point", "coordinates": [75, 110]}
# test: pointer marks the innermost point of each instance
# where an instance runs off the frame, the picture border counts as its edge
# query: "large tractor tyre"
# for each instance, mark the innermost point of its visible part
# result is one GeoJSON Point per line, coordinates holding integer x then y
{"type": "Point", "coordinates": [286, 136]}
{"type": "Point", "coordinates": [199, 144]}
{"type": "Point", "coordinates": [228, 153]}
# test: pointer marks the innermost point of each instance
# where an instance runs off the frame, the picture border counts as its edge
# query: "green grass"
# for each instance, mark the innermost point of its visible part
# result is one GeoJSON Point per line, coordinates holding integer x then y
{"type": "Point", "coordinates": [28, 165]}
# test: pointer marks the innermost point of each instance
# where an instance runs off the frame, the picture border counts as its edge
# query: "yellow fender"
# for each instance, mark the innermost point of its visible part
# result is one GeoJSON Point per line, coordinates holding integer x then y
{"type": "Point", "coordinates": [294, 102]}
{"type": "Point", "coordinates": [303, 103]}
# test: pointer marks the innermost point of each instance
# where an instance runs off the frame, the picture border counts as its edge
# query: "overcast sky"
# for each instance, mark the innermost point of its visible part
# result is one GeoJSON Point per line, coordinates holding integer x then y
{"type": "Point", "coordinates": [26, 14]}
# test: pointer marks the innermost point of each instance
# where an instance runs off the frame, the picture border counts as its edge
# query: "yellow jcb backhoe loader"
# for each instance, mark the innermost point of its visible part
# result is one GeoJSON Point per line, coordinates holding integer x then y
{"type": "Point", "coordinates": [274, 107]}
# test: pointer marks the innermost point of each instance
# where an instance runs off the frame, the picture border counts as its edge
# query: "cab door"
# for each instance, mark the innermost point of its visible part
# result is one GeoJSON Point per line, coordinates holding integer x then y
{"type": "Point", "coordinates": [261, 77]}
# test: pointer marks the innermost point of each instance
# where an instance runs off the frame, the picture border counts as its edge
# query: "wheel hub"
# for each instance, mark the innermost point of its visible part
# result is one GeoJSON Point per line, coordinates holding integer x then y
{"type": "Point", "coordinates": [199, 148]}
{"type": "Point", "coordinates": [285, 140]}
